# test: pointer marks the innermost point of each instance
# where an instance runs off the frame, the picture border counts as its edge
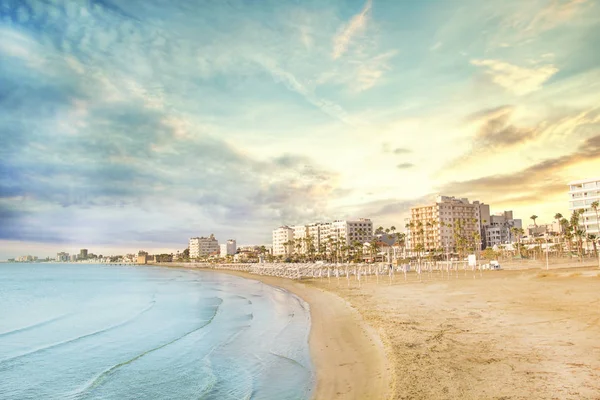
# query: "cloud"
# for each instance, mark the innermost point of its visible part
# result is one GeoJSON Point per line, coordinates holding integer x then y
{"type": "Point", "coordinates": [405, 165]}
{"type": "Point", "coordinates": [515, 79]}
{"type": "Point", "coordinates": [554, 14]}
{"type": "Point", "coordinates": [344, 37]}
{"type": "Point", "coordinates": [533, 183]}
{"type": "Point", "coordinates": [371, 70]}
{"type": "Point", "coordinates": [496, 131]}
{"type": "Point", "coordinates": [112, 142]}
{"type": "Point", "coordinates": [436, 46]}
{"type": "Point", "coordinates": [292, 83]}
{"type": "Point", "coordinates": [401, 150]}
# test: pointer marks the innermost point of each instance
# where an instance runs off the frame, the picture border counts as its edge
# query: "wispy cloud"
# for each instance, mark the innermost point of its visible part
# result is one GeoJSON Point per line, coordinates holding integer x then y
{"type": "Point", "coordinates": [554, 14]}
{"type": "Point", "coordinates": [405, 165]}
{"type": "Point", "coordinates": [516, 79]}
{"type": "Point", "coordinates": [344, 37]}
{"type": "Point", "coordinates": [371, 70]}
{"type": "Point", "coordinates": [436, 46]}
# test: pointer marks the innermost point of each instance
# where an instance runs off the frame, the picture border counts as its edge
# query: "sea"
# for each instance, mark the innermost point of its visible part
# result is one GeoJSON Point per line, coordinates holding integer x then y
{"type": "Point", "coordinates": [94, 331]}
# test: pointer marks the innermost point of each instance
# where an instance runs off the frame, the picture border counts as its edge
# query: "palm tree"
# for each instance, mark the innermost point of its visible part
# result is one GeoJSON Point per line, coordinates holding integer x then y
{"type": "Point", "coordinates": [517, 232]}
{"type": "Point", "coordinates": [577, 232]}
{"type": "Point", "coordinates": [557, 218]}
{"type": "Point", "coordinates": [374, 249]}
{"type": "Point", "coordinates": [595, 208]}
{"type": "Point", "coordinates": [534, 217]}
{"type": "Point", "coordinates": [593, 238]}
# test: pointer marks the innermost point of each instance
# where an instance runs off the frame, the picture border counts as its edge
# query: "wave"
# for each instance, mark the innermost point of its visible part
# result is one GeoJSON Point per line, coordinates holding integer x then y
{"type": "Point", "coordinates": [33, 326]}
{"type": "Point", "coordinates": [291, 360]}
{"type": "Point", "coordinates": [69, 341]}
{"type": "Point", "coordinates": [98, 380]}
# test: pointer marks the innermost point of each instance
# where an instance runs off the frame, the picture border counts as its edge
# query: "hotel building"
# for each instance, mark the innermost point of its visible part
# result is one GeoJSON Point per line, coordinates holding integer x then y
{"type": "Point", "coordinates": [321, 234]}
{"type": "Point", "coordinates": [348, 232]}
{"type": "Point", "coordinates": [203, 246]}
{"type": "Point", "coordinates": [582, 194]}
{"type": "Point", "coordinates": [499, 229]}
{"type": "Point", "coordinates": [282, 237]}
{"type": "Point", "coordinates": [434, 226]}
{"type": "Point", "coordinates": [228, 249]}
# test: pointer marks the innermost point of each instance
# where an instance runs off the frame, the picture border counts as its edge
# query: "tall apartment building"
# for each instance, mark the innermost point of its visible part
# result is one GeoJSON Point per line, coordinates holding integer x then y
{"type": "Point", "coordinates": [434, 226]}
{"type": "Point", "coordinates": [203, 246]}
{"type": "Point", "coordinates": [228, 249]}
{"type": "Point", "coordinates": [282, 236]}
{"type": "Point", "coordinates": [83, 254]}
{"type": "Point", "coordinates": [499, 229]}
{"type": "Point", "coordinates": [582, 194]}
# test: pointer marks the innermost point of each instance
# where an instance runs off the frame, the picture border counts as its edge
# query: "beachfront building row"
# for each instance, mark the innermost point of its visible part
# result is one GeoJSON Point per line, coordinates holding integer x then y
{"type": "Point", "coordinates": [447, 223]}
{"type": "Point", "coordinates": [203, 246]}
{"type": "Point", "coordinates": [582, 194]}
{"type": "Point", "coordinates": [315, 236]}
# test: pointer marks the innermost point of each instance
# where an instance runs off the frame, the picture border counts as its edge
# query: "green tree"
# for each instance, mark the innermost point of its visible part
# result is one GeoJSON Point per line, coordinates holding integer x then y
{"type": "Point", "coordinates": [595, 208]}
{"type": "Point", "coordinates": [534, 217]}
{"type": "Point", "coordinates": [593, 238]}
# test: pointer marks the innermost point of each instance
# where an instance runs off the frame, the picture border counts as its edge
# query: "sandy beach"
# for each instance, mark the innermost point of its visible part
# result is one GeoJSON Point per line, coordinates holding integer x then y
{"type": "Point", "coordinates": [530, 334]}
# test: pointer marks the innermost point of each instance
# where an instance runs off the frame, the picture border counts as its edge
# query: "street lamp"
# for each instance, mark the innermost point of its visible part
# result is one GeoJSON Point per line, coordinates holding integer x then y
{"type": "Point", "coordinates": [546, 237]}
{"type": "Point", "coordinates": [598, 252]}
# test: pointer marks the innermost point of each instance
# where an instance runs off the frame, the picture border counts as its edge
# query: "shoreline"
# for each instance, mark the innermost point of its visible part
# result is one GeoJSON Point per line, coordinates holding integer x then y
{"type": "Point", "coordinates": [346, 352]}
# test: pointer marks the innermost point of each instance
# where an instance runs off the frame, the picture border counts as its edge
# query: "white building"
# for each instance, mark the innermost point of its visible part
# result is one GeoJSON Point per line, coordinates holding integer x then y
{"type": "Point", "coordinates": [582, 194]}
{"type": "Point", "coordinates": [348, 232]}
{"type": "Point", "coordinates": [228, 249]}
{"type": "Point", "coordinates": [300, 238]}
{"type": "Point", "coordinates": [203, 246]}
{"type": "Point", "coordinates": [282, 237]}
{"type": "Point", "coordinates": [62, 257]}
{"type": "Point", "coordinates": [499, 229]}
{"type": "Point", "coordinates": [320, 235]}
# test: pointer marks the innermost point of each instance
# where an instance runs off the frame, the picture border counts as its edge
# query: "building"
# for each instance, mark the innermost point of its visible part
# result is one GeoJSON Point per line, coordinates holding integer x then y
{"type": "Point", "coordinates": [228, 249]}
{"type": "Point", "coordinates": [83, 254]}
{"type": "Point", "coordinates": [349, 232]}
{"type": "Point", "coordinates": [582, 194]}
{"type": "Point", "coordinates": [300, 238]}
{"type": "Point", "coordinates": [203, 246]}
{"type": "Point", "coordinates": [73, 257]}
{"type": "Point", "coordinates": [62, 257]}
{"type": "Point", "coordinates": [320, 236]}
{"type": "Point", "coordinates": [541, 229]}
{"type": "Point", "coordinates": [282, 239]}
{"type": "Point", "coordinates": [447, 223]}
{"type": "Point", "coordinates": [498, 231]}
{"type": "Point", "coordinates": [142, 257]}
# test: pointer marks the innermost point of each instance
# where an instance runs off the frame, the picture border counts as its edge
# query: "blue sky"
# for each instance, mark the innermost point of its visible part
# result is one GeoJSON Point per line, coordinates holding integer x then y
{"type": "Point", "coordinates": [137, 124]}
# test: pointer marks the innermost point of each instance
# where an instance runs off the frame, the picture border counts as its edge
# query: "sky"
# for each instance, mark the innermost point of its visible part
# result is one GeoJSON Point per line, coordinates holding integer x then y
{"type": "Point", "coordinates": [129, 125]}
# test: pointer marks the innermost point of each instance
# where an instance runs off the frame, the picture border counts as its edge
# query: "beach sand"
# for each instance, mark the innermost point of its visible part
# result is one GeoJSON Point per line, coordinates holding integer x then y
{"type": "Point", "coordinates": [497, 335]}
{"type": "Point", "coordinates": [347, 353]}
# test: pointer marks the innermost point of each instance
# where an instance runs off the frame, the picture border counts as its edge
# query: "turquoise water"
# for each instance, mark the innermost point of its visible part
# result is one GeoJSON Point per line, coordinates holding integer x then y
{"type": "Point", "coordinates": [77, 331]}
